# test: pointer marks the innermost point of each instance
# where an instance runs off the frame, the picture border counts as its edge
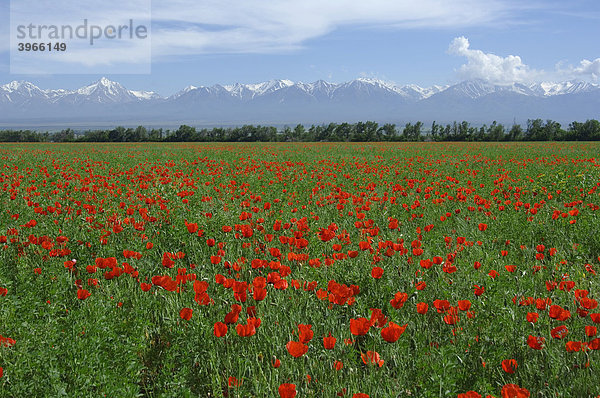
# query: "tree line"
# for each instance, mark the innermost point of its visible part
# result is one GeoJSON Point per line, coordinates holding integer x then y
{"type": "Point", "coordinates": [535, 130]}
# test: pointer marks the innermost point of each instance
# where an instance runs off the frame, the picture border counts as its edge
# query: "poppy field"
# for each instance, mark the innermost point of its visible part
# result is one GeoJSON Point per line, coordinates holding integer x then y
{"type": "Point", "coordinates": [300, 270]}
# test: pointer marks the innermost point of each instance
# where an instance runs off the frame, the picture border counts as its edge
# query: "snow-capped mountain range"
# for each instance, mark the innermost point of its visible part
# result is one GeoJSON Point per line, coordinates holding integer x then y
{"type": "Point", "coordinates": [284, 101]}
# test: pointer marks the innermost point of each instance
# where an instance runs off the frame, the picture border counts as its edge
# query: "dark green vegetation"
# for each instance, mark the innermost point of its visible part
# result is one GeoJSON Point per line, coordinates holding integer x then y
{"type": "Point", "coordinates": [536, 130]}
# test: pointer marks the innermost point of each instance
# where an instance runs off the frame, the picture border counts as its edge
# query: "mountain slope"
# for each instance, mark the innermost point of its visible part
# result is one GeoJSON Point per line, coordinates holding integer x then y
{"type": "Point", "coordinates": [283, 101]}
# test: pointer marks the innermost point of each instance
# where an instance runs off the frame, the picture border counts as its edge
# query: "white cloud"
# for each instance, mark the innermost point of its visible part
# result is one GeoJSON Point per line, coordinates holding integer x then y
{"type": "Point", "coordinates": [511, 69]}
{"type": "Point", "coordinates": [189, 27]}
{"type": "Point", "coordinates": [491, 67]}
{"type": "Point", "coordinates": [270, 26]}
{"type": "Point", "coordinates": [585, 70]}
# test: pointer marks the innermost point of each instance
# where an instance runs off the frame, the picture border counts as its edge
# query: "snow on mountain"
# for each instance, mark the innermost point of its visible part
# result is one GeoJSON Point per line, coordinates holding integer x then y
{"type": "Point", "coordinates": [183, 92]}
{"type": "Point", "coordinates": [19, 91]}
{"type": "Point", "coordinates": [145, 95]}
{"type": "Point", "coordinates": [422, 92]}
{"type": "Point", "coordinates": [268, 87]}
{"type": "Point", "coordinates": [475, 89]}
{"type": "Point", "coordinates": [101, 91]}
{"type": "Point", "coordinates": [107, 91]}
{"type": "Point", "coordinates": [359, 99]}
{"type": "Point", "coordinates": [570, 87]}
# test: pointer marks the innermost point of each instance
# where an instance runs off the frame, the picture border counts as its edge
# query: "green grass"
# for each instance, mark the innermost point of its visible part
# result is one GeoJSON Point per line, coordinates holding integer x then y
{"type": "Point", "coordinates": [122, 341]}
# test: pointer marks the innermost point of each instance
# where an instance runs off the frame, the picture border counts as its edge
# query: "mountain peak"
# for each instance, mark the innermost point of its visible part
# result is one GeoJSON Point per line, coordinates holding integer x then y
{"type": "Point", "coordinates": [17, 84]}
{"type": "Point", "coordinates": [362, 98]}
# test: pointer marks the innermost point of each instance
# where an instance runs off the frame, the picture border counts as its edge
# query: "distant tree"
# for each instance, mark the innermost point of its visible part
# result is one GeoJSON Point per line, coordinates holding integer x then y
{"type": "Point", "coordinates": [370, 130]}
{"type": "Point", "coordinates": [587, 131]}
{"type": "Point", "coordinates": [344, 131]}
{"type": "Point", "coordinates": [66, 135]}
{"type": "Point", "coordinates": [535, 130]}
{"type": "Point", "coordinates": [299, 133]}
{"type": "Point", "coordinates": [117, 134]}
{"type": "Point", "coordinates": [495, 132]}
{"type": "Point", "coordinates": [138, 135]}
{"type": "Point", "coordinates": [516, 133]}
{"type": "Point", "coordinates": [184, 133]}
{"type": "Point", "coordinates": [388, 132]}
{"type": "Point", "coordinates": [155, 134]}
{"type": "Point", "coordinates": [552, 130]}
{"type": "Point", "coordinates": [287, 134]}
{"type": "Point", "coordinates": [329, 133]}
{"type": "Point", "coordinates": [407, 132]}
{"type": "Point", "coordinates": [446, 133]}
{"type": "Point", "coordinates": [310, 134]}
{"type": "Point", "coordinates": [435, 130]}
{"type": "Point", "coordinates": [479, 134]}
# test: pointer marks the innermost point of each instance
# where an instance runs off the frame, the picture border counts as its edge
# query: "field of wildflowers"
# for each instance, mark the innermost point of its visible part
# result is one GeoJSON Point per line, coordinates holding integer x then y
{"type": "Point", "coordinates": [300, 270]}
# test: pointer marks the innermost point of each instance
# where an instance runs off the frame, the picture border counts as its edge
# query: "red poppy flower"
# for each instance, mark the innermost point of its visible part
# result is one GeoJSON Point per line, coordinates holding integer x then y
{"type": "Point", "coordinates": [6, 341]}
{"type": "Point", "coordinates": [482, 227]}
{"type": "Point", "coordinates": [233, 382]}
{"type": "Point", "coordinates": [591, 331]}
{"type": "Point", "coordinates": [451, 319]}
{"type": "Point", "coordinates": [246, 330]}
{"type": "Point", "coordinates": [360, 326]}
{"type": "Point", "coordinates": [559, 313]}
{"type": "Point", "coordinates": [464, 305]}
{"type": "Point", "coordinates": [305, 333]}
{"type": "Point", "coordinates": [233, 315]}
{"type": "Point", "coordinates": [426, 263]}
{"type": "Point", "coordinates": [296, 348]}
{"type": "Point", "coordinates": [329, 342]}
{"type": "Point", "coordinates": [559, 332]}
{"type": "Point", "coordinates": [509, 365]}
{"type": "Point", "coordinates": [422, 308]}
{"type": "Point", "coordinates": [537, 343]}
{"type": "Point", "coordinates": [186, 313]}
{"type": "Point", "coordinates": [287, 390]}
{"type": "Point", "coordinates": [441, 305]}
{"type": "Point", "coordinates": [191, 227]}
{"type": "Point", "coordinates": [220, 329]}
{"type": "Point", "coordinates": [392, 332]}
{"type": "Point", "coordinates": [399, 299]}
{"type": "Point", "coordinates": [514, 391]}
{"type": "Point", "coordinates": [276, 363]}
{"type": "Point", "coordinates": [595, 317]}
{"type": "Point", "coordinates": [338, 365]}
{"type": "Point", "coordinates": [371, 357]}
{"type": "Point", "coordinates": [377, 272]}
{"type": "Point", "coordinates": [82, 294]}
{"type": "Point", "coordinates": [360, 395]}
{"type": "Point", "coordinates": [573, 346]}
{"type": "Point", "coordinates": [532, 317]}
{"type": "Point", "coordinates": [469, 394]}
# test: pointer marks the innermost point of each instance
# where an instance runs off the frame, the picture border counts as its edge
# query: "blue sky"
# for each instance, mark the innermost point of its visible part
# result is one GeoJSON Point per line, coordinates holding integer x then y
{"type": "Point", "coordinates": [204, 42]}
